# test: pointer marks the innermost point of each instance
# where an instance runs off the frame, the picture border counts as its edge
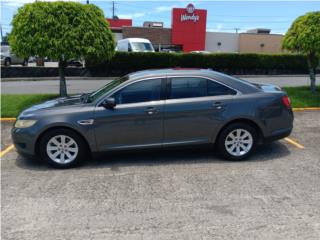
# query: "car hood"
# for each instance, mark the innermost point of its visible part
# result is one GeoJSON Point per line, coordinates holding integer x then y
{"type": "Point", "coordinates": [54, 104]}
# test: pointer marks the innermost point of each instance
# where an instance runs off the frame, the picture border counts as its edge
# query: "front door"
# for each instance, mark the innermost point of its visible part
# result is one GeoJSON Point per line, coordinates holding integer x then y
{"type": "Point", "coordinates": [136, 120]}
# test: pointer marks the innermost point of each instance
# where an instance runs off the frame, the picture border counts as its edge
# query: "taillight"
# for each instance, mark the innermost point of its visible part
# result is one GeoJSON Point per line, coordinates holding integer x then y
{"type": "Point", "coordinates": [286, 101]}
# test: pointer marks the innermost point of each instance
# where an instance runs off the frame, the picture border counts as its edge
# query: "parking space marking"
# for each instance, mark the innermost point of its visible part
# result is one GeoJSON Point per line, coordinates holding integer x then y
{"type": "Point", "coordinates": [294, 143]}
{"type": "Point", "coordinates": [8, 149]}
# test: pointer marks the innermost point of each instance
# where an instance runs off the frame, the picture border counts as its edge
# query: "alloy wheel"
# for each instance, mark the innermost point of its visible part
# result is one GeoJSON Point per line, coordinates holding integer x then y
{"type": "Point", "coordinates": [62, 149]}
{"type": "Point", "coordinates": [238, 142]}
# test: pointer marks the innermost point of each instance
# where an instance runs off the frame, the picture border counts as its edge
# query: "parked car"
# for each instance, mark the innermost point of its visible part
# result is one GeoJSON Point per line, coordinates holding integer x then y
{"type": "Point", "coordinates": [75, 63]}
{"type": "Point", "coordinates": [134, 45]}
{"type": "Point", "coordinates": [8, 58]}
{"type": "Point", "coordinates": [156, 108]}
{"type": "Point", "coordinates": [201, 52]}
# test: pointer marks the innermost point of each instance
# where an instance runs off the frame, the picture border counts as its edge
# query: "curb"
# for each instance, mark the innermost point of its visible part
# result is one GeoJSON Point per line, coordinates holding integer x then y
{"type": "Point", "coordinates": [305, 109]}
{"type": "Point", "coordinates": [39, 79]}
{"type": "Point", "coordinates": [7, 119]}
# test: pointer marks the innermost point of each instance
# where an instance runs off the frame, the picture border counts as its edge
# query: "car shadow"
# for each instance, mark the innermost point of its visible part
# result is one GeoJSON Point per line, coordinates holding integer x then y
{"type": "Point", "coordinates": [191, 155]}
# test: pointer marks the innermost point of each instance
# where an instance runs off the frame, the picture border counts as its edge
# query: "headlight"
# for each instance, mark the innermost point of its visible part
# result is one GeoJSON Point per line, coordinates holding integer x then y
{"type": "Point", "coordinates": [24, 123]}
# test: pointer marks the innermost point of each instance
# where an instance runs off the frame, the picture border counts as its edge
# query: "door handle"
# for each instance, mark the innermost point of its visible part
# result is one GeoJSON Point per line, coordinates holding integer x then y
{"type": "Point", "coordinates": [218, 105]}
{"type": "Point", "coordinates": [151, 110]}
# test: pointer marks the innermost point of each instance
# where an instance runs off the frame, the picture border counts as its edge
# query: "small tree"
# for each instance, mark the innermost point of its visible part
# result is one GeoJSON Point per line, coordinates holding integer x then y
{"type": "Point", "coordinates": [304, 36]}
{"type": "Point", "coordinates": [62, 31]}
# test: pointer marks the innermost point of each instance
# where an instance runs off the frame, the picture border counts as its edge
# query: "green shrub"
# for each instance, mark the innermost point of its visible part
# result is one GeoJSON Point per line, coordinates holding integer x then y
{"type": "Point", "coordinates": [233, 63]}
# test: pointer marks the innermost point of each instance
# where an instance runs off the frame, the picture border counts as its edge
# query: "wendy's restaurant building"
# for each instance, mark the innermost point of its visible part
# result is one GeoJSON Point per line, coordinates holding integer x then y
{"type": "Point", "coordinates": [189, 33]}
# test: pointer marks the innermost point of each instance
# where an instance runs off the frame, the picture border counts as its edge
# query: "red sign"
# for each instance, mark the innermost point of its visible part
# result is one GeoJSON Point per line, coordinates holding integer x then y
{"type": "Point", "coordinates": [189, 28]}
{"type": "Point", "coordinates": [119, 23]}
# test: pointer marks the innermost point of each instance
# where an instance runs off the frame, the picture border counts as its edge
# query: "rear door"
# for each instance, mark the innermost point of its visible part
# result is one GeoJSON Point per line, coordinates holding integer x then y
{"type": "Point", "coordinates": [194, 108]}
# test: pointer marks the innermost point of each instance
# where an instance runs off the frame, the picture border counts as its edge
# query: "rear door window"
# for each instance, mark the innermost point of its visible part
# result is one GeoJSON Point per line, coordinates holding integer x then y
{"type": "Point", "coordinates": [187, 87]}
{"type": "Point", "coordinates": [192, 87]}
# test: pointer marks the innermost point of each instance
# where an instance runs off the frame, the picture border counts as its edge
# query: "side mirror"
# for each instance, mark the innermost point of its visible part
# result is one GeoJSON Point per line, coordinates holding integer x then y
{"type": "Point", "coordinates": [109, 103]}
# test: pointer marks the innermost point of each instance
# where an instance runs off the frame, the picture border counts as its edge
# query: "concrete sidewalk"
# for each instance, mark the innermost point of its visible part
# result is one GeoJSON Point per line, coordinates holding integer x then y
{"type": "Point", "coordinates": [86, 84]}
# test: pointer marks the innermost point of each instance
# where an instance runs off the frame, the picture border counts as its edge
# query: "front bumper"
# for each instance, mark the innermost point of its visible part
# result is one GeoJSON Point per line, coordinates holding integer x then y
{"type": "Point", "coordinates": [24, 141]}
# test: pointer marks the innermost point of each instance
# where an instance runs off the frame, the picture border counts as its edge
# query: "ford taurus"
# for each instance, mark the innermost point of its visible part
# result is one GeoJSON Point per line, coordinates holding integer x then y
{"type": "Point", "coordinates": [155, 109]}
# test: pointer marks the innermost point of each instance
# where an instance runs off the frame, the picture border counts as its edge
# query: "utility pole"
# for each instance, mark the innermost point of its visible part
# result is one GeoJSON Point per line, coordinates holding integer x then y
{"type": "Point", "coordinates": [1, 32]}
{"type": "Point", "coordinates": [112, 9]}
{"type": "Point", "coordinates": [237, 29]}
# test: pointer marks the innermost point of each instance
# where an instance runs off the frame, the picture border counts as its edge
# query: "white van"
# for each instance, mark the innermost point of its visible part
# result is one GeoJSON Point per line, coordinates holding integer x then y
{"type": "Point", "coordinates": [134, 45]}
{"type": "Point", "coordinates": [8, 58]}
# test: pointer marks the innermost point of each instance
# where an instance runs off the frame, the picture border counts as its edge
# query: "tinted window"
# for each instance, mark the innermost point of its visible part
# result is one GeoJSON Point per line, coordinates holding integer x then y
{"type": "Point", "coordinates": [188, 88]}
{"type": "Point", "coordinates": [144, 91]}
{"type": "Point", "coordinates": [216, 89]}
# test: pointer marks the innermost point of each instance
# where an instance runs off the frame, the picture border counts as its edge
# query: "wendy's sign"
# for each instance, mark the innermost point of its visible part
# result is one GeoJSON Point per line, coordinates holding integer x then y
{"type": "Point", "coordinates": [189, 28]}
{"type": "Point", "coordinates": [189, 15]}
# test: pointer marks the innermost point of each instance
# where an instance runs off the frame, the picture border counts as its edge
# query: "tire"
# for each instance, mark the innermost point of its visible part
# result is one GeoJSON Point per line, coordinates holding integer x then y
{"type": "Point", "coordinates": [71, 153]}
{"type": "Point", "coordinates": [233, 147]}
{"type": "Point", "coordinates": [7, 62]}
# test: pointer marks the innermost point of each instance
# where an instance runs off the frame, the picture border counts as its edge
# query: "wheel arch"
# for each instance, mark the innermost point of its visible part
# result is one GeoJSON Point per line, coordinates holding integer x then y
{"type": "Point", "coordinates": [37, 144]}
{"type": "Point", "coordinates": [248, 121]}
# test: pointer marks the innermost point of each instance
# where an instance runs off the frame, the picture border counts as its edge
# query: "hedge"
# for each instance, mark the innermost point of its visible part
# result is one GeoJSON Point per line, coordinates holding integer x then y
{"type": "Point", "coordinates": [232, 63]}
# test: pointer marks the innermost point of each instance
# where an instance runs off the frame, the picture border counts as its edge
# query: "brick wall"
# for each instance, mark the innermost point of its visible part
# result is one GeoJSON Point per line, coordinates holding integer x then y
{"type": "Point", "coordinates": [155, 35]}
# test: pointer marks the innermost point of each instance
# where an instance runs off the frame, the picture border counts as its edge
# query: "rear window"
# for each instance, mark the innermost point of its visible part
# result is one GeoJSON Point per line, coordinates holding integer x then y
{"type": "Point", "coordinates": [216, 89]}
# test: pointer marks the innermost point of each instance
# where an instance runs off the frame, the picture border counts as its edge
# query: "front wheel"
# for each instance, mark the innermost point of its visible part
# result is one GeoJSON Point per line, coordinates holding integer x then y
{"type": "Point", "coordinates": [62, 148]}
{"type": "Point", "coordinates": [237, 141]}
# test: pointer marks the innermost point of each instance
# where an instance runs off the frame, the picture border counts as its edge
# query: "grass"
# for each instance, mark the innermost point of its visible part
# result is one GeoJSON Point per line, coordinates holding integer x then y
{"type": "Point", "coordinates": [13, 104]}
{"type": "Point", "coordinates": [302, 97]}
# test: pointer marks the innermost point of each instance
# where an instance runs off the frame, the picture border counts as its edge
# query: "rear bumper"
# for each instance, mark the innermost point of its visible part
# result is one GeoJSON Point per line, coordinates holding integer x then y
{"type": "Point", "coordinates": [279, 134]}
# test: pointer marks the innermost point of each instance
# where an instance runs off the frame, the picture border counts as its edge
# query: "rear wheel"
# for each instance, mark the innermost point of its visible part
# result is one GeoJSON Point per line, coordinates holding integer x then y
{"type": "Point", "coordinates": [237, 141]}
{"type": "Point", "coordinates": [62, 148]}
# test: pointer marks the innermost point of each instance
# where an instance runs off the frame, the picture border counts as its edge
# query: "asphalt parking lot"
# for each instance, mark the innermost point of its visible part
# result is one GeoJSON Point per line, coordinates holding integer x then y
{"type": "Point", "coordinates": [172, 194]}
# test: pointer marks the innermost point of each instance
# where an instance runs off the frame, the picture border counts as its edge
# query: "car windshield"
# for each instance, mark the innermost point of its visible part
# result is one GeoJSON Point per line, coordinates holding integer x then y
{"type": "Point", "coordinates": [141, 46]}
{"type": "Point", "coordinates": [106, 88]}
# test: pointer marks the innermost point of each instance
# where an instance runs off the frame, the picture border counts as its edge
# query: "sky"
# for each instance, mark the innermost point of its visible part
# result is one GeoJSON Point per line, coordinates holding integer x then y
{"type": "Point", "coordinates": [222, 16]}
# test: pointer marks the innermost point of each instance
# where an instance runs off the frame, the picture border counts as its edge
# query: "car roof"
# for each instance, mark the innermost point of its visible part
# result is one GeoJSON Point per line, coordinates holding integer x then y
{"type": "Point", "coordinates": [170, 71]}
{"type": "Point", "coordinates": [239, 84]}
{"type": "Point", "coordinates": [134, 40]}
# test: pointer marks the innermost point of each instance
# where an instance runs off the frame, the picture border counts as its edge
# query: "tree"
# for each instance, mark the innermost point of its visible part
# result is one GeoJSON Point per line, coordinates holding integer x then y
{"type": "Point", "coordinates": [304, 36]}
{"type": "Point", "coordinates": [62, 31]}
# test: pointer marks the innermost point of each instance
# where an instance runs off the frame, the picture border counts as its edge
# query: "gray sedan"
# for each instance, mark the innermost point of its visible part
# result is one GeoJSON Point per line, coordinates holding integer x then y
{"type": "Point", "coordinates": [155, 109]}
